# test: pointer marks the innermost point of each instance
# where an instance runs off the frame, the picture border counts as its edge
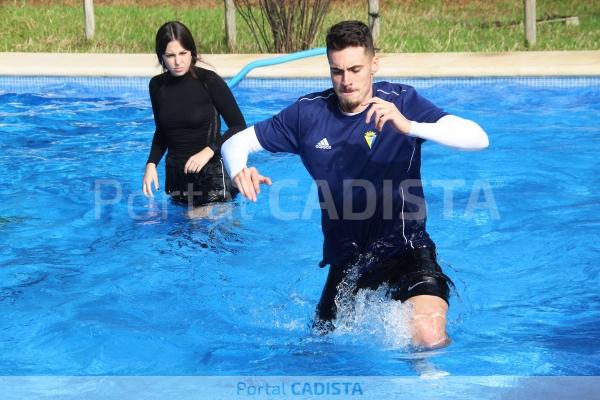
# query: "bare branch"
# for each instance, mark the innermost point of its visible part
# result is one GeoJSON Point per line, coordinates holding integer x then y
{"type": "Point", "coordinates": [293, 23]}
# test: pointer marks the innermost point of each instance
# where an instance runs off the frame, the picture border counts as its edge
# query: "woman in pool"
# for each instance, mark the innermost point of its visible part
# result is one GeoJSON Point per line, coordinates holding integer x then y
{"type": "Point", "coordinates": [188, 102]}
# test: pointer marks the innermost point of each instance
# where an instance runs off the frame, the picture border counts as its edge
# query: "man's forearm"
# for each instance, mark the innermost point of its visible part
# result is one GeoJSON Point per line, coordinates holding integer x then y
{"type": "Point", "coordinates": [235, 150]}
{"type": "Point", "coordinates": [452, 131]}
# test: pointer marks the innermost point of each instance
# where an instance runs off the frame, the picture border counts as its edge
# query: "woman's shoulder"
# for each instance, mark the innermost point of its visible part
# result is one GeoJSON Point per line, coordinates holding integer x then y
{"type": "Point", "coordinates": [208, 75]}
{"type": "Point", "coordinates": [157, 80]}
{"type": "Point", "coordinates": [160, 76]}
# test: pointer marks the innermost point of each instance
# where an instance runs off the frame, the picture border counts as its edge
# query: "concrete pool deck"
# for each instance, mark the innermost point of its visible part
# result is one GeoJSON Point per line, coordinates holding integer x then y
{"type": "Point", "coordinates": [547, 63]}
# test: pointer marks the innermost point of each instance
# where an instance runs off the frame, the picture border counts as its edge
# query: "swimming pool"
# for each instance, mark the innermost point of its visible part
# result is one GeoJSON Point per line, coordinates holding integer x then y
{"type": "Point", "coordinates": [97, 280]}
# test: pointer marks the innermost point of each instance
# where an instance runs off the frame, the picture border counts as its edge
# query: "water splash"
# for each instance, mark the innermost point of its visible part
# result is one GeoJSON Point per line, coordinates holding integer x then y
{"type": "Point", "coordinates": [371, 314]}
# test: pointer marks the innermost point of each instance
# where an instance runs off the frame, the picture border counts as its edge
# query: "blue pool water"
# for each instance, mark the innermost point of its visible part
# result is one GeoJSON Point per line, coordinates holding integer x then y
{"type": "Point", "coordinates": [97, 280]}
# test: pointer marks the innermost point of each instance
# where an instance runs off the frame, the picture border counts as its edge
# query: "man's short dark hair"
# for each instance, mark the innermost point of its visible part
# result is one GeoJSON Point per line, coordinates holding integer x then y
{"type": "Point", "coordinates": [350, 34]}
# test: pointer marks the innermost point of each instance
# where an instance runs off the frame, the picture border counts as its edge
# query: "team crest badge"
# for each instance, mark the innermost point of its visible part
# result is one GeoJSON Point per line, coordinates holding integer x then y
{"type": "Point", "coordinates": [370, 137]}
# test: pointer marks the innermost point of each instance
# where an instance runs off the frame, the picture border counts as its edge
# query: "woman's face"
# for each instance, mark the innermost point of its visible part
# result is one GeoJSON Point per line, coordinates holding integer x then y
{"type": "Point", "coordinates": [177, 59]}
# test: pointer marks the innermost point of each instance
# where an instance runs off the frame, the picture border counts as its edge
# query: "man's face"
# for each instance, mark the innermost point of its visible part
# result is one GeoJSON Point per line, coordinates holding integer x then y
{"type": "Point", "coordinates": [352, 72]}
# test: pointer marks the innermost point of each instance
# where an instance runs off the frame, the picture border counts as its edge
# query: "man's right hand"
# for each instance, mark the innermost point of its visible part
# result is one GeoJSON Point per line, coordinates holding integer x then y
{"type": "Point", "coordinates": [248, 182]}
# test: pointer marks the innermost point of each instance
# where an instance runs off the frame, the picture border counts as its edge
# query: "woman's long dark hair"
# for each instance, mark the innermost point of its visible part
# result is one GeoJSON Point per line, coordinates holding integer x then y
{"type": "Point", "coordinates": [175, 30]}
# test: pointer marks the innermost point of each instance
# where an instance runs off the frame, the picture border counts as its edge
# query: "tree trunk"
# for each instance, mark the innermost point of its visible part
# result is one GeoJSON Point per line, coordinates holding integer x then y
{"type": "Point", "coordinates": [530, 20]}
{"type": "Point", "coordinates": [90, 23]}
{"type": "Point", "coordinates": [230, 25]}
{"type": "Point", "coordinates": [374, 19]}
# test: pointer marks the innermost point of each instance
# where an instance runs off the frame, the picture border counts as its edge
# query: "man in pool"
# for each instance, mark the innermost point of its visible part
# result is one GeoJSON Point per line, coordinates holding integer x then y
{"type": "Point", "coordinates": [361, 142]}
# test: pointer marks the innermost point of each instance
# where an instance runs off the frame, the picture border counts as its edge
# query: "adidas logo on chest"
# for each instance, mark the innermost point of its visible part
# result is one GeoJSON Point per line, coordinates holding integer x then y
{"type": "Point", "coordinates": [323, 144]}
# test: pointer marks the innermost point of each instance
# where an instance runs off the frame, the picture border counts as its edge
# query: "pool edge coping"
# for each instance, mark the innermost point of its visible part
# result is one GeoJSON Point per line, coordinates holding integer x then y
{"type": "Point", "coordinates": [507, 64]}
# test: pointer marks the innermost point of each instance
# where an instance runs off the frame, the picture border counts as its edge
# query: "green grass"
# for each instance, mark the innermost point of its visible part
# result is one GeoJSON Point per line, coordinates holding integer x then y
{"type": "Point", "coordinates": [406, 26]}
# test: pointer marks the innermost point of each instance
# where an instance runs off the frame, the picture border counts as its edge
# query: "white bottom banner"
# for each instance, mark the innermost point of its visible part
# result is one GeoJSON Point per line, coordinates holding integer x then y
{"type": "Point", "coordinates": [299, 387]}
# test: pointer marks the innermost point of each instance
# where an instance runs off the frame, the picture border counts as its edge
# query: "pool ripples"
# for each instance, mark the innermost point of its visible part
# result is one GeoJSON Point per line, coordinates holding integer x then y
{"type": "Point", "coordinates": [96, 279]}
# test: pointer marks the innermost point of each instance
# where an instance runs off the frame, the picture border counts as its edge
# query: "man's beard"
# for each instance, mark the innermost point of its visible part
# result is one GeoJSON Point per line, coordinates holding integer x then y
{"type": "Point", "coordinates": [348, 105]}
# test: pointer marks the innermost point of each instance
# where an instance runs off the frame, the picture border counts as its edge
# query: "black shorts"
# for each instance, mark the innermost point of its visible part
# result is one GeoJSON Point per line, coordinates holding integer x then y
{"type": "Point", "coordinates": [211, 184]}
{"type": "Point", "coordinates": [413, 273]}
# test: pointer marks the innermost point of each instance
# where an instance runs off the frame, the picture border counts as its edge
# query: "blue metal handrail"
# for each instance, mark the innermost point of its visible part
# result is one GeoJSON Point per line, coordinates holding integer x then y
{"type": "Point", "coordinates": [272, 61]}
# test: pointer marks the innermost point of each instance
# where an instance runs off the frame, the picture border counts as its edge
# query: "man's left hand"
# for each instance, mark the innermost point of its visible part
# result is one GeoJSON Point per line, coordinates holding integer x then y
{"type": "Point", "coordinates": [384, 112]}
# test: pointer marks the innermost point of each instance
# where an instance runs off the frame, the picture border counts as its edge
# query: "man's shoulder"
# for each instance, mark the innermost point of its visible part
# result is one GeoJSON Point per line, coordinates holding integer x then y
{"type": "Point", "coordinates": [391, 90]}
{"type": "Point", "coordinates": [317, 97]}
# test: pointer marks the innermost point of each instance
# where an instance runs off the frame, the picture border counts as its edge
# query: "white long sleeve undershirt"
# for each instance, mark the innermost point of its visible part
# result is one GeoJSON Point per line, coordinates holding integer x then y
{"type": "Point", "coordinates": [449, 130]}
{"type": "Point", "coordinates": [236, 149]}
{"type": "Point", "coordinates": [452, 131]}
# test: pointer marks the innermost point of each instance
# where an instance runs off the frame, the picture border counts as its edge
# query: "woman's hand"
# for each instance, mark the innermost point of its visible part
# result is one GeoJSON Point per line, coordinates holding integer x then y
{"type": "Point", "coordinates": [150, 177]}
{"type": "Point", "coordinates": [196, 162]}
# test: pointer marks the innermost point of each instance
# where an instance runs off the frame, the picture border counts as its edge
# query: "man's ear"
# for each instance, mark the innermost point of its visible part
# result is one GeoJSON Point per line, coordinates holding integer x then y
{"type": "Point", "coordinates": [374, 65]}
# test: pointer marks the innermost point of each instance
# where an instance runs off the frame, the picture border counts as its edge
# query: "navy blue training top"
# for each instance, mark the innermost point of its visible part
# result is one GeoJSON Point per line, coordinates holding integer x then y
{"type": "Point", "coordinates": [369, 182]}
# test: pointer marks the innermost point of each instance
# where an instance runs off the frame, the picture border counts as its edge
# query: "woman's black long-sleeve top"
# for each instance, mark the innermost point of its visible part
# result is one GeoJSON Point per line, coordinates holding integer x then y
{"type": "Point", "coordinates": [187, 114]}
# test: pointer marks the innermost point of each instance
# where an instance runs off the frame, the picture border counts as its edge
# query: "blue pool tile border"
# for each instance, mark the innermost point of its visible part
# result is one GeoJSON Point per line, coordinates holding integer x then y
{"type": "Point", "coordinates": [311, 83]}
{"type": "Point", "coordinates": [123, 86]}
